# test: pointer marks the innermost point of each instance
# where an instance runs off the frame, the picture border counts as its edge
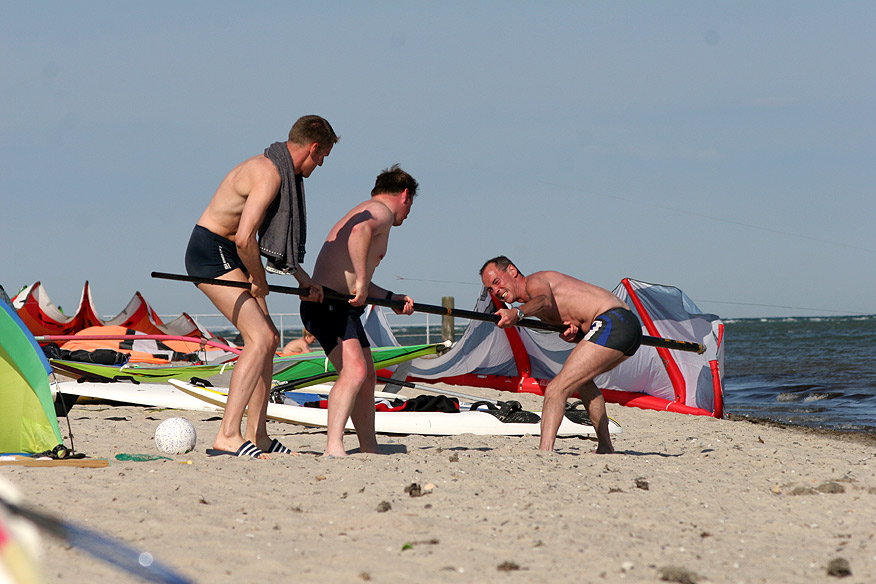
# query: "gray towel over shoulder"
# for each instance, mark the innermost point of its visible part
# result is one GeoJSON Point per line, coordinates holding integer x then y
{"type": "Point", "coordinates": [284, 231]}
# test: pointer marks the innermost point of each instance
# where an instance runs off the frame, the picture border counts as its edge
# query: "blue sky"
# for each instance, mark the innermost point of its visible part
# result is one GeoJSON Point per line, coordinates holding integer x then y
{"type": "Point", "coordinates": [722, 147]}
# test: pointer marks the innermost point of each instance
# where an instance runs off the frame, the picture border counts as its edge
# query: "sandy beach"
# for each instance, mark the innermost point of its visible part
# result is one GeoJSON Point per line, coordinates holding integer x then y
{"type": "Point", "coordinates": [687, 499]}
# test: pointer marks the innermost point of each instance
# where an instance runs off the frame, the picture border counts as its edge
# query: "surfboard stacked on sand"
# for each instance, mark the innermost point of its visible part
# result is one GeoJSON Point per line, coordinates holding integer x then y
{"type": "Point", "coordinates": [480, 421]}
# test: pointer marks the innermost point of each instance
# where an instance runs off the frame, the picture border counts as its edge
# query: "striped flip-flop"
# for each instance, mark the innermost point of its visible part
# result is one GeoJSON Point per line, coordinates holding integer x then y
{"type": "Point", "coordinates": [246, 449]}
{"type": "Point", "coordinates": [277, 446]}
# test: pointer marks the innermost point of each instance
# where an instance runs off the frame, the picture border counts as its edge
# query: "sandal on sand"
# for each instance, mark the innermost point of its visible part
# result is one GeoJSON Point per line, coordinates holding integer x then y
{"type": "Point", "coordinates": [576, 412]}
{"type": "Point", "coordinates": [510, 412]}
{"type": "Point", "coordinates": [277, 446]}
{"type": "Point", "coordinates": [246, 449]}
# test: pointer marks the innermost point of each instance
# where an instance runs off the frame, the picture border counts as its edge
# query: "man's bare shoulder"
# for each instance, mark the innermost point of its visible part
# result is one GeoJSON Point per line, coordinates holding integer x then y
{"type": "Point", "coordinates": [567, 286]}
{"type": "Point", "coordinates": [551, 277]}
{"type": "Point", "coordinates": [555, 276]}
{"type": "Point", "coordinates": [255, 170]}
{"type": "Point", "coordinates": [252, 183]}
{"type": "Point", "coordinates": [255, 178]}
{"type": "Point", "coordinates": [376, 211]}
{"type": "Point", "coordinates": [559, 283]}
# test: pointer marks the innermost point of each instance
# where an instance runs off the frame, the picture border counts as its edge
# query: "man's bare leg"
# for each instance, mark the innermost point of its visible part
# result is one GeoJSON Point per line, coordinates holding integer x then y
{"type": "Point", "coordinates": [260, 339]}
{"type": "Point", "coordinates": [349, 359]}
{"type": "Point", "coordinates": [586, 361]}
{"type": "Point", "coordinates": [594, 401]}
{"type": "Point", "coordinates": [363, 409]}
{"type": "Point", "coordinates": [552, 410]}
{"type": "Point", "coordinates": [257, 408]}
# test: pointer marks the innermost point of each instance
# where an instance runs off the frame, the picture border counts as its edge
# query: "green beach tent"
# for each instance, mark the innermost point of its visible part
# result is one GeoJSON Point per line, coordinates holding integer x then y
{"type": "Point", "coordinates": [28, 423]}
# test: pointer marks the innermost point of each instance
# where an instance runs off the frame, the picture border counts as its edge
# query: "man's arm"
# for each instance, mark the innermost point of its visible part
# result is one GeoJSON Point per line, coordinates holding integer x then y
{"type": "Point", "coordinates": [370, 223]}
{"type": "Point", "coordinates": [315, 290]}
{"type": "Point", "coordinates": [376, 291]}
{"type": "Point", "coordinates": [541, 304]}
{"type": "Point", "coordinates": [264, 184]}
{"type": "Point", "coordinates": [263, 181]}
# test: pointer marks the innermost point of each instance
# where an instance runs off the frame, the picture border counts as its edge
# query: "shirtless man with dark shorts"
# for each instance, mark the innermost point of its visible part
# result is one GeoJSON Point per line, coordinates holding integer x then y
{"type": "Point", "coordinates": [224, 245]}
{"type": "Point", "coordinates": [353, 249]}
{"type": "Point", "coordinates": [613, 334]}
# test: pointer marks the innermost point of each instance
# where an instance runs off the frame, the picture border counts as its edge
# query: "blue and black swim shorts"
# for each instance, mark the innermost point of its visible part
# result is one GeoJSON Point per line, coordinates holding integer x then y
{"type": "Point", "coordinates": [617, 329]}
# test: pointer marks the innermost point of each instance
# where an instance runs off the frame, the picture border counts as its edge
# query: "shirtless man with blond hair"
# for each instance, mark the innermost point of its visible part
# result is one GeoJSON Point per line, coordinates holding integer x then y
{"type": "Point", "coordinates": [613, 333]}
{"type": "Point", "coordinates": [225, 245]}
{"type": "Point", "coordinates": [353, 249]}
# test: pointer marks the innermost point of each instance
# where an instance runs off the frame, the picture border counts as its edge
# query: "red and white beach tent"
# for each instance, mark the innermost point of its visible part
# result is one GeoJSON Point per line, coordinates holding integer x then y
{"type": "Point", "coordinates": [524, 360]}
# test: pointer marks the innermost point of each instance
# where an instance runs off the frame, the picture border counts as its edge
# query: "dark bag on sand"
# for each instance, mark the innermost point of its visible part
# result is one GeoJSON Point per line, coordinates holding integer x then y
{"type": "Point", "coordinates": [99, 356]}
{"type": "Point", "coordinates": [432, 403]}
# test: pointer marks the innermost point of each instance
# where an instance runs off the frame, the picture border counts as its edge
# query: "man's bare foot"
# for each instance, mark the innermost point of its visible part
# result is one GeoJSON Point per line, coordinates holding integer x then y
{"type": "Point", "coordinates": [334, 453]}
{"type": "Point", "coordinates": [369, 445]}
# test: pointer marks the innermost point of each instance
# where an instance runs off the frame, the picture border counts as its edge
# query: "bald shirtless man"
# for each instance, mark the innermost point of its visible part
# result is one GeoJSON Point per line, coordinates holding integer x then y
{"type": "Point", "coordinates": [351, 252]}
{"type": "Point", "coordinates": [226, 244]}
{"type": "Point", "coordinates": [614, 333]}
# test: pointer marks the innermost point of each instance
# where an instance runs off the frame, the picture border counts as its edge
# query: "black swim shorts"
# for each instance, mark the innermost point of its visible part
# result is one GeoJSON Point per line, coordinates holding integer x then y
{"type": "Point", "coordinates": [332, 321]}
{"type": "Point", "coordinates": [617, 329]}
{"type": "Point", "coordinates": [210, 256]}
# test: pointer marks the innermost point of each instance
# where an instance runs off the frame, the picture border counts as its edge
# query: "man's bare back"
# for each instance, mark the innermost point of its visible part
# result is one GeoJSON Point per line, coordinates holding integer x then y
{"type": "Point", "coordinates": [575, 301]}
{"type": "Point", "coordinates": [358, 240]}
{"type": "Point", "coordinates": [223, 214]}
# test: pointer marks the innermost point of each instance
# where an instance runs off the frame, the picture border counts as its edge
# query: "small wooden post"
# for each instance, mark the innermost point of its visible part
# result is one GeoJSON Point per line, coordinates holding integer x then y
{"type": "Point", "coordinates": [447, 320]}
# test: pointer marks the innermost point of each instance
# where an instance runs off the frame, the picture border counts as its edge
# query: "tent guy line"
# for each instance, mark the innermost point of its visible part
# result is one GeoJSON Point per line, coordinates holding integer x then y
{"type": "Point", "coordinates": [428, 308]}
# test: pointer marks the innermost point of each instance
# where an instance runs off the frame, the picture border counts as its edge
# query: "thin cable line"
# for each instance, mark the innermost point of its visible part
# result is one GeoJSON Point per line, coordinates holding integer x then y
{"type": "Point", "coordinates": [850, 313]}
{"type": "Point", "coordinates": [844, 312]}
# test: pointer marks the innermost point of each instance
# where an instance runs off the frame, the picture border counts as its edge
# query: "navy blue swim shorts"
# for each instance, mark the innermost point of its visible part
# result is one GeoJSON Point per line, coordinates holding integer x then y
{"type": "Point", "coordinates": [209, 255]}
{"type": "Point", "coordinates": [332, 321]}
{"type": "Point", "coordinates": [617, 329]}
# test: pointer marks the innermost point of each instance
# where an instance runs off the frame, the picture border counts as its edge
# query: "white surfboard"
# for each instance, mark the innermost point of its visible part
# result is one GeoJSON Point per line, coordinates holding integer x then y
{"type": "Point", "coordinates": [423, 423]}
{"type": "Point", "coordinates": [159, 395]}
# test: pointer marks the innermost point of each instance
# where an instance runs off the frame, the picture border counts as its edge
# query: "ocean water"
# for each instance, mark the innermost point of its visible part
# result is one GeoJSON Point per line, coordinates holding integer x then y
{"type": "Point", "coordinates": [814, 372]}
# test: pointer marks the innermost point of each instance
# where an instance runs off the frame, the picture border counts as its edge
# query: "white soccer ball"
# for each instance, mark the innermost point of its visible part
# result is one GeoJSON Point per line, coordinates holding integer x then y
{"type": "Point", "coordinates": [175, 436]}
